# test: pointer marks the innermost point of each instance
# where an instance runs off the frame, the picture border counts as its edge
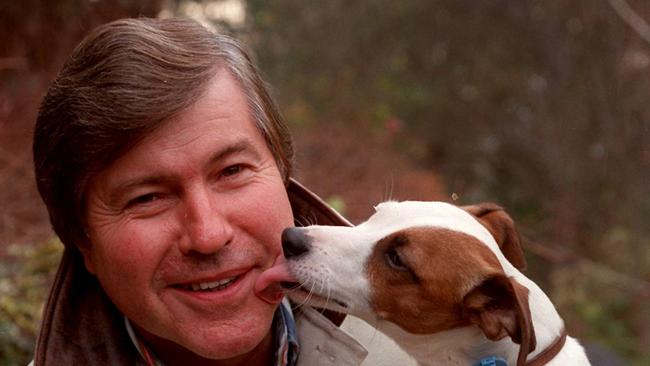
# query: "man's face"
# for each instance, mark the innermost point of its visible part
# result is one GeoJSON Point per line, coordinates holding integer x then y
{"type": "Point", "coordinates": [182, 225]}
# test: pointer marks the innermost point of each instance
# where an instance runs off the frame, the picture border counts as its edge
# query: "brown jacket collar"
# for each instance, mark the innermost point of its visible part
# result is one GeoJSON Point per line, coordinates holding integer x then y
{"type": "Point", "coordinates": [81, 325]}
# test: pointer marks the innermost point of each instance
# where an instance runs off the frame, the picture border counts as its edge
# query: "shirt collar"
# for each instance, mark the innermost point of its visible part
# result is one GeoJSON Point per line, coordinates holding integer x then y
{"type": "Point", "coordinates": [286, 339]}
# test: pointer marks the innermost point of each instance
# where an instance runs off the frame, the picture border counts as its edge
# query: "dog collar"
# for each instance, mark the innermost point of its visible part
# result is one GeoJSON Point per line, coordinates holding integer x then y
{"type": "Point", "coordinates": [544, 357]}
{"type": "Point", "coordinates": [550, 352]}
{"type": "Point", "coordinates": [491, 361]}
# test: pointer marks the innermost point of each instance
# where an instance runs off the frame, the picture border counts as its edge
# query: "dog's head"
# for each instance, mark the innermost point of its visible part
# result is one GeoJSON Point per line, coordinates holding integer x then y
{"type": "Point", "coordinates": [425, 266]}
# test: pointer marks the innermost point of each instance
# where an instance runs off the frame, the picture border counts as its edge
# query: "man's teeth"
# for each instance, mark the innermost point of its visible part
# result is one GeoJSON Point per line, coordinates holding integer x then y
{"type": "Point", "coordinates": [221, 284]}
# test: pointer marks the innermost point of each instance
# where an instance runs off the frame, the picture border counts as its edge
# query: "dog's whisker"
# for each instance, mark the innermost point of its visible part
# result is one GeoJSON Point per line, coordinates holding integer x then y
{"type": "Point", "coordinates": [304, 301]}
{"type": "Point", "coordinates": [319, 282]}
{"type": "Point", "coordinates": [304, 285]}
{"type": "Point", "coordinates": [309, 293]}
{"type": "Point", "coordinates": [302, 220]}
{"type": "Point", "coordinates": [312, 219]}
{"type": "Point", "coordinates": [329, 293]}
{"type": "Point", "coordinates": [322, 289]}
{"type": "Point", "coordinates": [388, 192]}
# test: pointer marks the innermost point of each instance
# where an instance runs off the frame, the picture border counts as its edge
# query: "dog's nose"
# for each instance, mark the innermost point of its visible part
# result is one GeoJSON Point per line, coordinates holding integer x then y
{"type": "Point", "coordinates": [294, 242]}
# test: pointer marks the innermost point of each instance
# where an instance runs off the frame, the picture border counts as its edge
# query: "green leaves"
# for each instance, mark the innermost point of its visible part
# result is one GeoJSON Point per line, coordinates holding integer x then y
{"type": "Point", "coordinates": [26, 273]}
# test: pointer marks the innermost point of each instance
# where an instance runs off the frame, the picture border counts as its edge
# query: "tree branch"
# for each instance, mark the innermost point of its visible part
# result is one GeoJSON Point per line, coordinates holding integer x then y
{"type": "Point", "coordinates": [629, 16]}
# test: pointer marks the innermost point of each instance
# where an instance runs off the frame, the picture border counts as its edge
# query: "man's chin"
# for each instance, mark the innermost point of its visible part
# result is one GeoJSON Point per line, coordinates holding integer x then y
{"type": "Point", "coordinates": [227, 339]}
{"type": "Point", "coordinates": [246, 344]}
{"type": "Point", "coordinates": [241, 348]}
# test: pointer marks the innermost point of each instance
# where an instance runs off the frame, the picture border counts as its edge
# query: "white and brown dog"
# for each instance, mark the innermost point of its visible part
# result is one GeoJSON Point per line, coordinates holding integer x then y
{"type": "Point", "coordinates": [441, 281]}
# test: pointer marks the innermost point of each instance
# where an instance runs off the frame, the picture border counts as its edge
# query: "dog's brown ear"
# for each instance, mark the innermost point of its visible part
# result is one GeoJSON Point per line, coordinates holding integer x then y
{"type": "Point", "coordinates": [502, 228]}
{"type": "Point", "coordinates": [499, 306]}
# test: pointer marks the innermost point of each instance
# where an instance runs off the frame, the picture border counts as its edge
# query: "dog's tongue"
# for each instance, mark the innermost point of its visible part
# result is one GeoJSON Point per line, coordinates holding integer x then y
{"type": "Point", "coordinates": [267, 286]}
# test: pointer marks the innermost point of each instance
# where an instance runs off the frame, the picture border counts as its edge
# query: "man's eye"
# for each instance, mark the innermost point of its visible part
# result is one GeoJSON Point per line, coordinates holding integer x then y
{"type": "Point", "coordinates": [143, 199]}
{"type": "Point", "coordinates": [231, 170]}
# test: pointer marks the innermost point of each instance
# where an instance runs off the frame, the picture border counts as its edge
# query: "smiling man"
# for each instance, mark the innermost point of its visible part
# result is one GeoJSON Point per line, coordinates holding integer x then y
{"type": "Point", "coordinates": [165, 168]}
{"type": "Point", "coordinates": [191, 217]}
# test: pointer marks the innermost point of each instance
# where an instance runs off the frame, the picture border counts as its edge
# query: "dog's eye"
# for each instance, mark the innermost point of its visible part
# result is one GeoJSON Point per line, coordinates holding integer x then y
{"type": "Point", "coordinates": [395, 261]}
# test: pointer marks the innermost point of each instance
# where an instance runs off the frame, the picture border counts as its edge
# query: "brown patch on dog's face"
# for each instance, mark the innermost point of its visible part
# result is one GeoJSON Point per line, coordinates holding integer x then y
{"type": "Point", "coordinates": [420, 275]}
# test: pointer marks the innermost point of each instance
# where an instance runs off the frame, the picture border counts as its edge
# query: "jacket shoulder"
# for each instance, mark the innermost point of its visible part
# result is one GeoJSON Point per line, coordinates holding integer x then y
{"type": "Point", "coordinates": [354, 343]}
{"type": "Point", "coordinates": [382, 351]}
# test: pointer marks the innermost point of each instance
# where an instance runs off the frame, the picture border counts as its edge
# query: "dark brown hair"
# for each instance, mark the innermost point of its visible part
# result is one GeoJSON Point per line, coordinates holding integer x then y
{"type": "Point", "coordinates": [124, 80]}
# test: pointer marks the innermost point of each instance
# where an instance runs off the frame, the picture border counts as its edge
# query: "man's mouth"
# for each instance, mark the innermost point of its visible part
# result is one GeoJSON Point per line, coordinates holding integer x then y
{"type": "Point", "coordinates": [217, 285]}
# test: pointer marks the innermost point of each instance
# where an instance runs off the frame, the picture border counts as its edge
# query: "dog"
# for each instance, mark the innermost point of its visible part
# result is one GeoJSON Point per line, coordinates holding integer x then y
{"type": "Point", "coordinates": [443, 281]}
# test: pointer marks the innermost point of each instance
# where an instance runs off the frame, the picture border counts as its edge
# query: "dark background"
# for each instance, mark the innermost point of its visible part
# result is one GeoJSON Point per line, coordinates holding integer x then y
{"type": "Point", "coordinates": [541, 106]}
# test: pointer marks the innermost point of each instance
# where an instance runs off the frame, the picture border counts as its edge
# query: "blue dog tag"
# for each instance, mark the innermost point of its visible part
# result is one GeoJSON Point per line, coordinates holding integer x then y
{"type": "Point", "coordinates": [491, 361]}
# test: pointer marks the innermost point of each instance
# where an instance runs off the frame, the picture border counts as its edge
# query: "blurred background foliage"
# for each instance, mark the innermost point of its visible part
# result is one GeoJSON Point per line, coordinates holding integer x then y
{"type": "Point", "coordinates": [25, 275]}
{"type": "Point", "coordinates": [541, 106]}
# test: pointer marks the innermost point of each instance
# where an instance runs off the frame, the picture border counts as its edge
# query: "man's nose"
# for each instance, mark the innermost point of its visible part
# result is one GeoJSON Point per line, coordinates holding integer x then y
{"type": "Point", "coordinates": [207, 228]}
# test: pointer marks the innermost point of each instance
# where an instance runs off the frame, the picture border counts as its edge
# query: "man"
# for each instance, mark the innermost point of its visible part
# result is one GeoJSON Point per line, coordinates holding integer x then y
{"type": "Point", "coordinates": [165, 168]}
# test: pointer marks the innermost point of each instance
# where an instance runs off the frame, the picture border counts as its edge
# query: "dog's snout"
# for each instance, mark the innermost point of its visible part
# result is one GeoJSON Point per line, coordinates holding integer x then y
{"type": "Point", "coordinates": [294, 242]}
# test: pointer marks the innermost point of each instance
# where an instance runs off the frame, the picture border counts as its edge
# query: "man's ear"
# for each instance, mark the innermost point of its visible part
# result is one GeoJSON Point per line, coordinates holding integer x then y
{"type": "Point", "coordinates": [499, 306]}
{"type": "Point", "coordinates": [502, 228]}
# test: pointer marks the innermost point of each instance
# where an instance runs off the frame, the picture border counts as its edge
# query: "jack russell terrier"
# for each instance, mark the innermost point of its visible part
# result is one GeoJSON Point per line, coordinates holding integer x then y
{"type": "Point", "coordinates": [442, 281]}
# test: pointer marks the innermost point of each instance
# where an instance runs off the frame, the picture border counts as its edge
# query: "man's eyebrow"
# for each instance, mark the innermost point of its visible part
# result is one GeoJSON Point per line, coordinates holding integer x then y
{"type": "Point", "coordinates": [245, 146]}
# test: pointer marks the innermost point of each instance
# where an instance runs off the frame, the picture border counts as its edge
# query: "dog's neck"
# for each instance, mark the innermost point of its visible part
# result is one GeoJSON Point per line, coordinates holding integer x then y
{"type": "Point", "coordinates": [468, 345]}
{"type": "Point", "coordinates": [460, 346]}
